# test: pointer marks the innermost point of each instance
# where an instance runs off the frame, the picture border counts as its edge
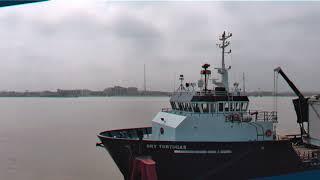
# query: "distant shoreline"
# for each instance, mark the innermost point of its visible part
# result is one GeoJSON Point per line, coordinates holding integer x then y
{"type": "Point", "coordinates": [58, 97]}
{"type": "Point", "coordinates": [118, 91]}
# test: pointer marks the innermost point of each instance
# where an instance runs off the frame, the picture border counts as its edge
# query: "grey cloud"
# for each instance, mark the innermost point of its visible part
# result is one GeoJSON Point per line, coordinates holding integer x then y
{"type": "Point", "coordinates": [81, 49]}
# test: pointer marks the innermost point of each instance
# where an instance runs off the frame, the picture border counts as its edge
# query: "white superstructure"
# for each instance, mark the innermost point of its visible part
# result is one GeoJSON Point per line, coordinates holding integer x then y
{"type": "Point", "coordinates": [215, 114]}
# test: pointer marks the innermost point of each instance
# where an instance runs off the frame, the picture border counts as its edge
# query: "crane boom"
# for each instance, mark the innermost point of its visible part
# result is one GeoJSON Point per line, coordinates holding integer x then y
{"type": "Point", "coordinates": [290, 83]}
{"type": "Point", "coordinates": [300, 104]}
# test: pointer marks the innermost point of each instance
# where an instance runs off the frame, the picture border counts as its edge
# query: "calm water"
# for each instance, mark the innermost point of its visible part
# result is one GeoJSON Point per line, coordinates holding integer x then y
{"type": "Point", "coordinates": [54, 138]}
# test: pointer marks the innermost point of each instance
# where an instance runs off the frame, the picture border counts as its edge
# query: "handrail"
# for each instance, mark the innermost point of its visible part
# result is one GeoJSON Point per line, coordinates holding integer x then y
{"type": "Point", "coordinates": [241, 115]}
{"type": "Point", "coordinates": [166, 109]}
{"type": "Point", "coordinates": [263, 115]}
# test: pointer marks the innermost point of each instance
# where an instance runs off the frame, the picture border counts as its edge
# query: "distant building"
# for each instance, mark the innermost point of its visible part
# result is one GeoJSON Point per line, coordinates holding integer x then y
{"type": "Point", "coordinates": [132, 91]}
{"type": "Point", "coordinates": [121, 91]}
{"type": "Point", "coordinates": [85, 92]}
{"type": "Point", "coordinates": [116, 91]}
{"type": "Point", "coordinates": [78, 92]}
{"type": "Point", "coordinates": [97, 93]}
{"type": "Point", "coordinates": [112, 91]}
{"type": "Point", "coordinates": [47, 94]}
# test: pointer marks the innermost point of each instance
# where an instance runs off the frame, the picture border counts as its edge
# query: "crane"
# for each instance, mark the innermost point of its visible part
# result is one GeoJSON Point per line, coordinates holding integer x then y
{"type": "Point", "coordinates": [300, 104]}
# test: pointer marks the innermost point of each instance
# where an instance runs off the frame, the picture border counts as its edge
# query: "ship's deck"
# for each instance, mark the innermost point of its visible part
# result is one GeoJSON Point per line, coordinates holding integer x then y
{"type": "Point", "coordinates": [130, 134]}
{"type": "Point", "coordinates": [143, 133]}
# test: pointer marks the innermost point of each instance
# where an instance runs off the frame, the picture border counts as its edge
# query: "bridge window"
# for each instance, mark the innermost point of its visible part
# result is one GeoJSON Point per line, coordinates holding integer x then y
{"type": "Point", "coordinates": [184, 106]}
{"type": "Point", "coordinates": [231, 106]}
{"type": "Point", "coordinates": [195, 107]}
{"type": "Point", "coordinates": [205, 107]}
{"type": "Point", "coordinates": [226, 107]}
{"type": "Point", "coordinates": [189, 107]}
{"type": "Point", "coordinates": [237, 105]}
{"type": "Point", "coordinates": [173, 105]}
{"type": "Point", "coordinates": [212, 107]}
{"type": "Point", "coordinates": [244, 106]}
{"type": "Point", "coordinates": [176, 105]}
{"type": "Point", "coordinates": [220, 107]}
{"type": "Point", "coordinates": [247, 104]}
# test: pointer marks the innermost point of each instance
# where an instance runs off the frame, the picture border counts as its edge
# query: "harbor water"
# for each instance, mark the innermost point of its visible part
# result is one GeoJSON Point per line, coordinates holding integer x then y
{"type": "Point", "coordinates": [54, 138]}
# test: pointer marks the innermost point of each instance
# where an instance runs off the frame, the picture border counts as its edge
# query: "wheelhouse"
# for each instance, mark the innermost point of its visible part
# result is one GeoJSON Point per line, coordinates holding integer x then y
{"type": "Point", "coordinates": [210, 104]}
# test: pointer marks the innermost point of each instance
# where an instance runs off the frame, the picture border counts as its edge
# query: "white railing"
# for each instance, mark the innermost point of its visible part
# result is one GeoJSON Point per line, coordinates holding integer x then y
{"type": "Point", "coordinates": [247, 116]}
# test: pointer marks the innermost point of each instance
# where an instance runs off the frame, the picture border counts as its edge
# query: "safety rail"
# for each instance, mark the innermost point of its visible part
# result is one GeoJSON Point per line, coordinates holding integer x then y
{"type": "Point", "coordinates": [166, 109]}
{"type": "Point", "coordinates": [263, 115]}
{"type": "Point", "coordinates": [134, 133]}
{"type": "Point", "coordinates": [310, 157]}
{"type": "Point", "coordinates": [213, 93]}
{"type": "Point", "coordinates": [251, 115]}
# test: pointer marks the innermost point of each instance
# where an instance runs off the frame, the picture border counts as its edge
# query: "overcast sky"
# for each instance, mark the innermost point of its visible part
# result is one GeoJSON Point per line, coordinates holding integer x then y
{"type": "Point", "coordinates": [95, 44]}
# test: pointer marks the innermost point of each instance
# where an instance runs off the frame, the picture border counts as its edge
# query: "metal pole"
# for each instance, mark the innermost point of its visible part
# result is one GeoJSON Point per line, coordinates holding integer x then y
{"type": "Point", "coordinates": [144, 78]}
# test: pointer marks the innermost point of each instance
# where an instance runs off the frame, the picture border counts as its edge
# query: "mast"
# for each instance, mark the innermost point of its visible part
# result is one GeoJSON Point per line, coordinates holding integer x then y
{"type": "Point", "coordinates": [244, 83]}
{"type": "Point", "coordinates": [206, 74]}
{"type": "Point", "coordinates": [181, 78]}
{"type": "Point", "coordinates": [144, 78]}
{"type": "Point", "coordinates": [174, 83]}
{"type": "Point", "coordinates": [223, 70]}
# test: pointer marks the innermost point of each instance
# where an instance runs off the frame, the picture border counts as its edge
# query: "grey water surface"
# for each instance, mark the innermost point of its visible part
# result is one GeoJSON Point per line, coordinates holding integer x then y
{"type": "Point", "coordinates": [54, 138]}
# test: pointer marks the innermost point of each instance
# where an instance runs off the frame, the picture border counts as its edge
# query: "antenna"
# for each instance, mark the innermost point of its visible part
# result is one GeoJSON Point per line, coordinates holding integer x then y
{"type": "Point", "coordinates": [223, 45]}
{"type": "Point", "coordinates": [174, 82]}
{"type": "Point", "coordinates": [181, 78]}
{"type": "Point", "coordinates": [144, 78]}
{"type": "Point", "coordinates": [223, 70]}
{"type": "Point", "coordinates": [206, 74]}
{"type": "Point", "coordinates": [244, 83]}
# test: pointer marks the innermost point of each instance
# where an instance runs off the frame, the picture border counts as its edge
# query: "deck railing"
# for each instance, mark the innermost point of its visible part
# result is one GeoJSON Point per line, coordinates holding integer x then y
{"type": "Point", "coordinates": [310, 157]}
{"type": "Point", "coordinates": [134, 133]}
{"type": "Point", "coordinates": [251, 115]}
{"type": "Point", "coordinates": [166, 109]}
{"type": "Point", "coordinates": [263, 115]}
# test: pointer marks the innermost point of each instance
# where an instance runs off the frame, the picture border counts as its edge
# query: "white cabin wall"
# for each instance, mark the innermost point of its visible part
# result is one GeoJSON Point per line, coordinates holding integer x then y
{"type": "Point", "coordinates": [168, 122]}
{"type": "Point", "coordinates": [212, 127]}
{"type": "Point", "coordinates": [168, 135]}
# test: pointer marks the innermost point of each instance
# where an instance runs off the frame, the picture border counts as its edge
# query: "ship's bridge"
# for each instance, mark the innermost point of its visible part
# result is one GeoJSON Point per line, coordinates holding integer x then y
{"type": "Point", "coordinates": [212, 102]}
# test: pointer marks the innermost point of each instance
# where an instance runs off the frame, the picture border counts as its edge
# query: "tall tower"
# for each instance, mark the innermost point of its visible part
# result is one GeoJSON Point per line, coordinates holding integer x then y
{"type": "Point", "coordinates": [223, 70]}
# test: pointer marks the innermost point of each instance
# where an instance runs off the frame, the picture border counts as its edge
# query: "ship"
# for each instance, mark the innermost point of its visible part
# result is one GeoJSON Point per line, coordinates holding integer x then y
{"type": "Point", "coordinates": [209, 132]}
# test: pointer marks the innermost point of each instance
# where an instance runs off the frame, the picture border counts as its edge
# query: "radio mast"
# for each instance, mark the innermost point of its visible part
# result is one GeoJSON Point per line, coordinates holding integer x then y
{"type": "Point", "coordinates": [223, 70]}
{"type": "Point", "coordinates": [144, 78]}
{"type": "Point", "coordinates": [244, 83]}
